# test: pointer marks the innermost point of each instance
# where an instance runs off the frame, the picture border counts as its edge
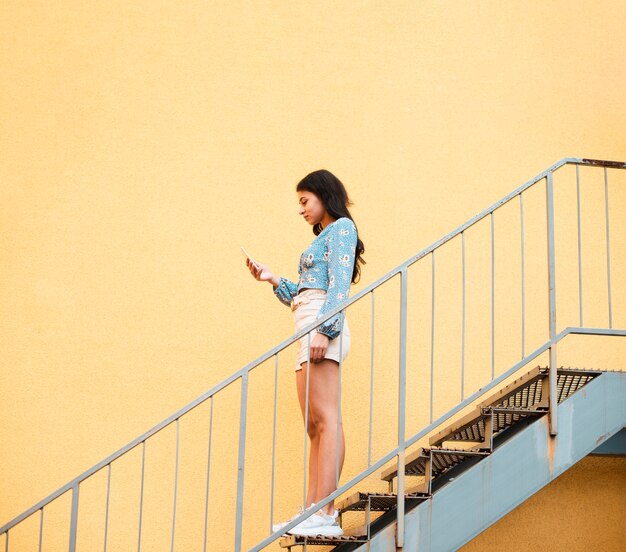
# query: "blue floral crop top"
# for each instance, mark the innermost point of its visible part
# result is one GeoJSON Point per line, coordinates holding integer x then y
{"type": "Point", "coordinates": [326, 264]}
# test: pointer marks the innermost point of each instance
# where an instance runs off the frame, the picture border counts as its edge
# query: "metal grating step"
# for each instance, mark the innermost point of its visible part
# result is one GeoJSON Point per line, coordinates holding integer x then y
{"type": "Point", "coordinates": [529, 393]}
{"type": "Point", "coordinates": [441, 460]}
{"type": "Point", "coordinates": [379, 502]}
{"type": "Point", "coordinates": [444, 459]}
{"type": "Point", "coordinates": [412, 458]}
{"type": "Point", "coordinates": [570, 381]}
{"type": "Point", "coordinates": [527, 396]}
{"type": "Point", "coordinates": [501, 417]}
{"type": "Point", "coordinates": [504, 417]}
{"type": "Point", "coordinates": [298, 540]}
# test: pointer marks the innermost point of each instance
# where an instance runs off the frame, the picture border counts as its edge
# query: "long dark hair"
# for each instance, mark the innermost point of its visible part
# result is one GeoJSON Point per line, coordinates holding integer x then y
{"type": "Point", "coordinates": [333, 195]}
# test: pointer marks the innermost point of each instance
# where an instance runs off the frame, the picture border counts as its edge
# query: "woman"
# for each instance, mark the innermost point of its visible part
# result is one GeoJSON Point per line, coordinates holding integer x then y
{"type": "Point", "coordinates": [327, 268]}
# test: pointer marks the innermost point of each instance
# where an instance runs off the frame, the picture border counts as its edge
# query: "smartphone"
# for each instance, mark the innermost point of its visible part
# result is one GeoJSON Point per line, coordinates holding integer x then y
{"type": "Point", "coordinates": [248, 256]}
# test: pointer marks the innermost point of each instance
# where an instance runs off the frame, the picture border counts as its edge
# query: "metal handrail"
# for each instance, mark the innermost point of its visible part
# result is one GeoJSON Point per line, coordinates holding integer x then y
{"type": "Point", "coordinates": [399, 450]}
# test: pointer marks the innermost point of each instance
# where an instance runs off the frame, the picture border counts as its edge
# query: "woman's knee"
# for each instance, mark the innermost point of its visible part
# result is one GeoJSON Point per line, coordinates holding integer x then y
{"type": "Point", "coordinates": [318, 424]}
{"type": "Point", "coordinates": [312, 429]}
{"type": "Point", "coordinates": [326, 423]}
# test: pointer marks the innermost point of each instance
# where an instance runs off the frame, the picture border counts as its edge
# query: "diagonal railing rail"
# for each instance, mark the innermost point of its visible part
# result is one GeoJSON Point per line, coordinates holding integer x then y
{"type": "Point", "coordinates": [399, 451]}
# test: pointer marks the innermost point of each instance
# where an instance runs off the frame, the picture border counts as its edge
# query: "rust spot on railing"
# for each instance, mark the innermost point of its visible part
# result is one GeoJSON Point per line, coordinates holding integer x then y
{"type": "Point", "coordinates": [600, 163]}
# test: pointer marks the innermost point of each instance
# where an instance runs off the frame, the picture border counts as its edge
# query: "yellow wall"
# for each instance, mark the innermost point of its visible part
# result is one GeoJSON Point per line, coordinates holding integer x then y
{"type": "Point", "coordinates": [144, 142]}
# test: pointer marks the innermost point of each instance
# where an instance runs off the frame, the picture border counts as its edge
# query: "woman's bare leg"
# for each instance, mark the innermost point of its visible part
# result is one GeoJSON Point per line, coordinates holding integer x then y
{"type": "Point", "coordinates": [312, 432]}
{"type": "Point", "coordinates": [323, 403]}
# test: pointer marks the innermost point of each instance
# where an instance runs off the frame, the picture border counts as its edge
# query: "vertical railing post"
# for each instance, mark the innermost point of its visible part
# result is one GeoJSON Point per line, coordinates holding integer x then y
{"type": "Point", "coordinates": [243, 417]}
{"type": "Point", "coordinates": [401, 411]}
{"type": "Point", "coordinates": [432, 336]}
{"type": "Point", "coordinates": [106, 509]}
{"type": "Point", "coordinates": [208, 477]}
{"type": "Point", "coordinates": [521, 218]}
{"type": "Point", "coordinates": [175, 482]}
{"type": "Point", "coordinates": [40, 532]}
{"type": "Point", "coordinates": [369, 438]}
{"type": "Point", "coordinates": [552, 376]}
{"type": "Point", "coordinates": [74, 518]}
{"type": "Point", "coordinates": [143, 474]}
{"type": "Point", "coordinates": [274, 443]}
{"type": "Point", "coordinates": [306, 417]}
{"type": "Point", "coordinates": [493, 302]}
{"type": "Point", "coordinates": [341, 326]}
{"type": "Point", "coordinates": [608, 245]}
{"type": "Point", "coordinates": [463, 315]}
{"type": "Point", "coordinates": [580, 261]}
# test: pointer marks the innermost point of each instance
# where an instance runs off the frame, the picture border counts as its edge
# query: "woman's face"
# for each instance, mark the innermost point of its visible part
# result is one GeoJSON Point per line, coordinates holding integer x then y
{"type": "Point", "coordinates": [311, 208]}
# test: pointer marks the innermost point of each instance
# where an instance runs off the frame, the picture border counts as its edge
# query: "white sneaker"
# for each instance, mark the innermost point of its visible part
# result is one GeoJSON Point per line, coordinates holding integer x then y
{"type": "Point", "coordinates": [321, 524]}
{"type": "Point", "coordinates": [278, 526]}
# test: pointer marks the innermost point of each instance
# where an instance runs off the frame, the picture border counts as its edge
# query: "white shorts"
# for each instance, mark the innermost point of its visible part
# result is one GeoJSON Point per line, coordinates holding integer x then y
{"type": "Point", "coordinates": [308, 304]}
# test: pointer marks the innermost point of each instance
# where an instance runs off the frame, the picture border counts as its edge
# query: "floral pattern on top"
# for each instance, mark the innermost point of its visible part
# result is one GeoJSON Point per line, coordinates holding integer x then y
{"type": "Point", "coordinates": [326, 264]}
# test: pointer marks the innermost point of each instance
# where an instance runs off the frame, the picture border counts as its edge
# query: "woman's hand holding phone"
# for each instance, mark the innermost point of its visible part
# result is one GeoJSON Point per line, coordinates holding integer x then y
{"type": "Point", "coordinates": [260, 271]}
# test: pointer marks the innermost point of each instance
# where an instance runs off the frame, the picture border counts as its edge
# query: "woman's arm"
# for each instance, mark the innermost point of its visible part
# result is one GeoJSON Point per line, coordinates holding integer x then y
{"type": "Point", "coordinates": [342, 241]}
{"type": "Point", "coordinates": [283, 289]}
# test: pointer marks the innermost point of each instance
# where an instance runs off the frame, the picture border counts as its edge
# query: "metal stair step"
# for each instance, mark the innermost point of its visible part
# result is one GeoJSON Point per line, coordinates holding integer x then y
{"type": "Point", "coordinates": [379, 502]}
{"type": "Point", "coordinates": [524, 391]}
{"type": "Point", "coordinates": [527, 391]}
{"type": "Point", "coordinates": [412, 458]}
{"type": "Point", "coordinates": [444, 459]}
{"type": "Point", "coordinates": [472, 427]}
{"type": "Point", "coordinates": [441, 461]}
{"type": "Point", "coordinates": [571, 380]}
{"type": "Point", "coordinates": [505, 417]}
{"type": "Point", "coordinates": [299, 540]}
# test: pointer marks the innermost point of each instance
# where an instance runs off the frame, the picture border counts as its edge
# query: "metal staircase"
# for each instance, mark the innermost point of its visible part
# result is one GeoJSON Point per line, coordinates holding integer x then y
{"type": "Point", "coordinates": [494, 420]}
{"type": "Point", "coordinates": [465, 457]}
